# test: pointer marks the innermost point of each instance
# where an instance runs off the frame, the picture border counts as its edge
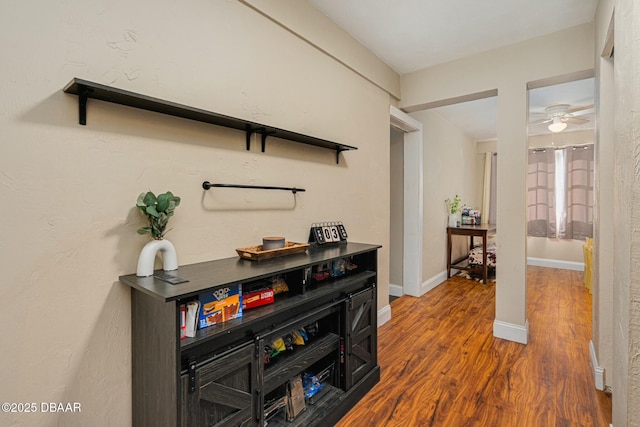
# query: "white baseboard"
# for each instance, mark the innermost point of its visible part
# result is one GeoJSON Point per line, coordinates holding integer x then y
{"type": "Point", "coordinates": [510, 331]}
{"type": "Point", "coordinates": [396, 290]}
{"type": "Point", "coordinates": [424, 287]}
{"type": "Point", "coordinates": [433, 282]}
{"type": "Point", "coordinates": [556, 263]}
{"type": "Point", "coordinates": [596, 370]}
{"type": "Point", "coordinates": [384, 315]}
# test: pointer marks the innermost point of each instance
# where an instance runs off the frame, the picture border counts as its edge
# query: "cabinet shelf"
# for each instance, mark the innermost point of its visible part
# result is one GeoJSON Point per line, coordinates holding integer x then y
{"type": "Point", "coordinates": [331, 406]}
{"type": "Point", "coordinates": [86, 89]}
{"type": "Point", "coordinates": [281, 371]}
{"type": "Point", "coordinates": [329, 401]}
{"type": "Point", "coordinates": [287, 305]}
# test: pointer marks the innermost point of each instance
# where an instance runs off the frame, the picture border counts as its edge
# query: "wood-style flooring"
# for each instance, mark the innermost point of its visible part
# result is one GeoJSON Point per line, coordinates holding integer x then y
{"type": "Point", "coordinates": [441, 365]}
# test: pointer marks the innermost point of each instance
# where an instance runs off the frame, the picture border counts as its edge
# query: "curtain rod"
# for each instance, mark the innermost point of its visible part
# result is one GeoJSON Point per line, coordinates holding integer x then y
{"type": "Point", "coordinates": [555, 147]}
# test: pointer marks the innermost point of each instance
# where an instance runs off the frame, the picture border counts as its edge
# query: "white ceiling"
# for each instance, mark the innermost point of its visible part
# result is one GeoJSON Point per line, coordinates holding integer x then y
{"type": "Point", "coordinates": [409, 35]}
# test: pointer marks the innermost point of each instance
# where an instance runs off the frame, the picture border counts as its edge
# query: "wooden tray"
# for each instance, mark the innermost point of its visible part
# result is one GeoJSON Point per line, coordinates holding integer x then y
{"type": "Point", "coordinates": [255, 253]}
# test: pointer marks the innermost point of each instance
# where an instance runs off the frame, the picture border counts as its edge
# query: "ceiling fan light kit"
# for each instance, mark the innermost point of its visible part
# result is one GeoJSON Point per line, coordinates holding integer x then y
{"type": "Point", "coordinates": [560, 115]}
{"type": "Point", "coordinates": [558, 125]}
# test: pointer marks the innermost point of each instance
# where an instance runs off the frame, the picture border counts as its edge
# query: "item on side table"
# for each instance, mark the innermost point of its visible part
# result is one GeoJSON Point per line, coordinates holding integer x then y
{"type": "Point", "coordinates": [273, 407]}
{"type": "Point", "coordinates": [279, 285]}
{"type": "Point", "coordinates": [311, 385]}
{"type": "Point", "coordinates": [475, 255]}
{"type": "Point", "coordinates": [327, 232]}
{"type": "Point", "coordinates": [471, 216]}
{"type": "Point", "coordinates": [158, 210]}
{"type": "Point", "coordinates": [220, 305]}
{"type": "Point", "coordinates": [193, 307]}
{"type": "Point", "coordinates": [257, 298]}
{"type": "Point", "coordinates": [295, 394]}
{"type": "Point", "coordinates": [256, 253]}
{"type": "Point", "coordinates": [183, 321]}
{"type": "Point", "coordinates": [269, 243]}
{"type": "Point", "coordinates": [147, 257]}
{"type": "Point", "coordinates": [338, 268]}
{"type": "Point", "coordinates": [322, 272]}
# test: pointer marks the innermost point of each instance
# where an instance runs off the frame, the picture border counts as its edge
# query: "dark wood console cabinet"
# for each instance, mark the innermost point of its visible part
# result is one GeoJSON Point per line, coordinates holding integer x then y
{"type": "Point", "coordinates": [221, 377]}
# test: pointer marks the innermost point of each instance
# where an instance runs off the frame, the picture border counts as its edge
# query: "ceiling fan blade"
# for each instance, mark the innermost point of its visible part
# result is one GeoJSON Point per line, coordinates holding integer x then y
{"type": "Point", "coordinates": [584, 109]}
{"type": "Point", "coordinates": [575, 120]}
{"type": "Point", "coordinates": [541, 121]}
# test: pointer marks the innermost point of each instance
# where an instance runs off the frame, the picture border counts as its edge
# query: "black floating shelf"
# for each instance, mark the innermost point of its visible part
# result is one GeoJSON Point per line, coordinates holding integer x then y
{"type": "Point", "coordinates": [86, 89]}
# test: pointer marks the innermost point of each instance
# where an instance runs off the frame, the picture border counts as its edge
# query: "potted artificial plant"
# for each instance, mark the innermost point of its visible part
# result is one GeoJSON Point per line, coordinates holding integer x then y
{"type": "Point", "coordinates": [454, 206]}
{"type": "Point", "coordinates": [158, 210]}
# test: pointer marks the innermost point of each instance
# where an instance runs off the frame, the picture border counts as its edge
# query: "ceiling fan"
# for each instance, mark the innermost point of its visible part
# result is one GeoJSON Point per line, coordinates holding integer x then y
{"type": "Point", "coordinates": [559, 115]}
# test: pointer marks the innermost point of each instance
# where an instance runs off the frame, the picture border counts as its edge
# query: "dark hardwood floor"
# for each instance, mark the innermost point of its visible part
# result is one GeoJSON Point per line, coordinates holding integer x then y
{"type": "Point", "coordinates": [441, 365]}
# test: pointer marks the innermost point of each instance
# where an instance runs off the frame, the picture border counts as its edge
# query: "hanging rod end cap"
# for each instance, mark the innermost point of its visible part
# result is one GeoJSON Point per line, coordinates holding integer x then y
{"type": "Point", "coordinates": [206, 185]}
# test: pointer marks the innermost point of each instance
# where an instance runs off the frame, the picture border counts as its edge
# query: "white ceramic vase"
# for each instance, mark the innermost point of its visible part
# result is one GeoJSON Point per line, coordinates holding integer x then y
{"type": "Point", "coordinates": [453, 220]}
{"type": "Point", "coordinates": [147, 258]}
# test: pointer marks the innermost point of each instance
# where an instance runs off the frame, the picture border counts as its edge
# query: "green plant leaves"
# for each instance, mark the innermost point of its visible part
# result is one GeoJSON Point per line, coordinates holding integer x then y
{"type": "Point", "coordinates": [454, 205]}
{"type": "Point", "coordinates": [151, 210]}
{"type": "Point", "coordinates": [158, 210]}
{"type": "Point", "coordinates": [163, 202]}
{"type": "Point", "coordinates": [150, 199]}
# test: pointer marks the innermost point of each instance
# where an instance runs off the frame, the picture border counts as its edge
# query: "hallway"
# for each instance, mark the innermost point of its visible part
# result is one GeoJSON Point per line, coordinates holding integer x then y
{"type": "Point", "coordinates": [441, 365]}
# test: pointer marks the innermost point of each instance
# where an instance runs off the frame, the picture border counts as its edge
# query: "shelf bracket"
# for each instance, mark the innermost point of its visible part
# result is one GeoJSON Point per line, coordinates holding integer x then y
{"type": "Point", "coordinates": [264, 137]}
{"type": "Point", "coordinates": [82, 105]}
{"type": "Point", "coordinates": [338, 151]}
{"type": "Point", "coordinates": [251, 131]}
{"type": "Point", "coordinates": [264, 134]}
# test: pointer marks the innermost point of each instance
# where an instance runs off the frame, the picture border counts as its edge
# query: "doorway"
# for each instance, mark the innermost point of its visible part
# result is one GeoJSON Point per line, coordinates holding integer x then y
{"type": "Point", "coordinates": [409, 219]}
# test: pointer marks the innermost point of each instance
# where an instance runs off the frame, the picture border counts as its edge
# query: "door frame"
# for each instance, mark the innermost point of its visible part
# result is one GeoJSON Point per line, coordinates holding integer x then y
{"type": "Point", "coordinates": [413, 200]}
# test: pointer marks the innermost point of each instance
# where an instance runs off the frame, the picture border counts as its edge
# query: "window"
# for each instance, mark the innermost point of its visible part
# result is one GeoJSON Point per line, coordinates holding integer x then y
{"type": "Point", "coordinates": [560, 192]}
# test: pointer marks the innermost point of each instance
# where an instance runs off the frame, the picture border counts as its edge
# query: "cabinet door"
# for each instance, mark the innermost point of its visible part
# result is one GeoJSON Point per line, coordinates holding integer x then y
{"type": "Point", "coordinates": [361, 340]}
{"type": "Point", "coordinates": [226, 393]}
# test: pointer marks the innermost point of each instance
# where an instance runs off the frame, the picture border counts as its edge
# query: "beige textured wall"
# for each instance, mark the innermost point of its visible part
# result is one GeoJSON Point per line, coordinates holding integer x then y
{"type": "Point", "coordinates": [396, 226]}
{"type": "Point", "coordinates": [449, 169]}
{"type": "Point", "coordinates": [318, 29]}
{"type": "Point", "coordinates": [555, 249]}
{"type": "Point", "coordinates": [68, 191]}
{"type": "Point", "coordinates": [626, 286]}
{"type": "Point", "coordinates": [508, 70]}
{"type": "Point", "coordinates": [603, 261]}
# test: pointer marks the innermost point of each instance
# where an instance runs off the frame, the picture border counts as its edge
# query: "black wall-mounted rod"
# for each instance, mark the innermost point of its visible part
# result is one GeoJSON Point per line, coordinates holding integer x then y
{"type": "Point", "coordinates": [207, 185]}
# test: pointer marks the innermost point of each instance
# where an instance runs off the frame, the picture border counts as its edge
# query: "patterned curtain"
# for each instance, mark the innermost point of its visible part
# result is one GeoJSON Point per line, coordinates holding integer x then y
{"type": "Point", "coordinates": [541, 198]}
{"type": "Point", "coordinates": [560, 192]}
{"type": "Point", "coordinates": [579, 196]}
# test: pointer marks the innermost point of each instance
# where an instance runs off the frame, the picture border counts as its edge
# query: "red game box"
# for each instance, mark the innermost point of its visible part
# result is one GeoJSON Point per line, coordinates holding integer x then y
{"type": "Point", "coordinates": [257, 298]}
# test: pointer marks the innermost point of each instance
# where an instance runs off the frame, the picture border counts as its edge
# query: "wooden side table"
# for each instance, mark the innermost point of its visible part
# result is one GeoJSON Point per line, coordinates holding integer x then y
{"type": "Point", "coordinates": [469, 230]}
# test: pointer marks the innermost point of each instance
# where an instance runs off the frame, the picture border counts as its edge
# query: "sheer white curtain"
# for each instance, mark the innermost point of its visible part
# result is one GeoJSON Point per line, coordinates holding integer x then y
{"type": "Point", "coordinates": [490, 188]}
{"type": "Point", "coordinates": [493, 201]}
{"type": "Point", "coordinates": [560, 192]}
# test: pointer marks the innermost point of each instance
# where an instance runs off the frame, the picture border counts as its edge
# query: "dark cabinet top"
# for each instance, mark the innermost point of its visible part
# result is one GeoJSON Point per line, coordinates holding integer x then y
{"type": "Point", "coordinates": [211, 274]}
